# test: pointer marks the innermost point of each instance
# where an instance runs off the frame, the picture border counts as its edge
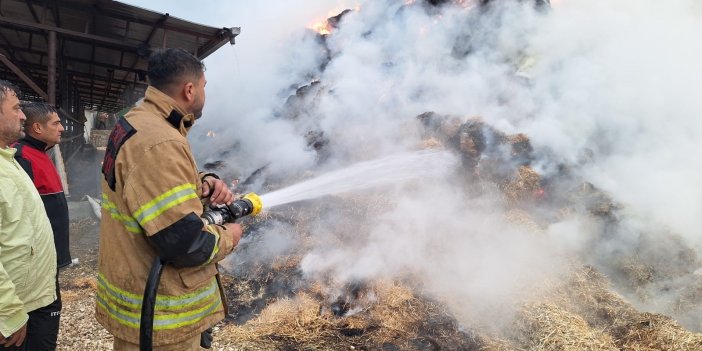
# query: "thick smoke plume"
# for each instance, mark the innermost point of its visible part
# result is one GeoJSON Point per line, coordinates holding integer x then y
{"type": "Point", "coordinates": [607, 90]}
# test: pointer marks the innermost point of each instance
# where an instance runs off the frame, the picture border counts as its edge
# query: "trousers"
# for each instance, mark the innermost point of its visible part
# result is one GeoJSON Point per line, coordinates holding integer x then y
{"type": "Point", "coordinates": [42, 327]}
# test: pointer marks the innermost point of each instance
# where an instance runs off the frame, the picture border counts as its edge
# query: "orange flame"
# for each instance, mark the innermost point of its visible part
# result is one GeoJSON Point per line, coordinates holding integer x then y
{"type": "Point", "coordinates": [322, 27]}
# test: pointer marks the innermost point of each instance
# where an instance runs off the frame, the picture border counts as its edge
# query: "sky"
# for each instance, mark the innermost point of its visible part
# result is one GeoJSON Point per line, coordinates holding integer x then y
{"type": "Point", "coordinates": [609, 89]}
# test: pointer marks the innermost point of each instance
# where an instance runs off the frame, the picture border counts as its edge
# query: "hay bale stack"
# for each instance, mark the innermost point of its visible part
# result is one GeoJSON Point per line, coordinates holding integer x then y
{"type": "Point", "coordinates": [286, 323]}
{"type": "Point", "coordinates": [654, 332]}
{"type": "Point", "coordinates": [522, 186]}
{"type": "Point", "coordinates": [524, 220]}
{"type": "Point", "coordinates": [475, 138]}
{"type": "Point", "coordinates": [588, 295]}
{"type": "Point", "coordinates": [595, 202]}
{"type": "Point", "coordinates": [441, 127]}
{"type": "Point", "coordinates": [547, 327]}
{"type": "Point", "coordinates": [392, 318]}
{"type": "Point", "coordinates": [689, 302]}
{"type": "Point", "coordinates": [431, 143]}
{"type": "Point", "coordinates": [398, 308]}
{"type": "Point", "coordinates": [521, 148]}
{"type": "Point", "coordinates": [638, 273]}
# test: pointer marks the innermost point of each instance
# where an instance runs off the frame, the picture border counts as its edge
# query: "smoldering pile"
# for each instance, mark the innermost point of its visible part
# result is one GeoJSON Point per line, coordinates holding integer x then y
{"type": "Point", "coordinates": [276, 306]}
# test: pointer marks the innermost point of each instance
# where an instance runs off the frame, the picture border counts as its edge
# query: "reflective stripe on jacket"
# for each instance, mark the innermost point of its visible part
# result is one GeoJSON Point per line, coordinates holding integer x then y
{"type": "Point", "coordinates": [151, 207]}
{"type": "Point", "coordinates": [27, 253]}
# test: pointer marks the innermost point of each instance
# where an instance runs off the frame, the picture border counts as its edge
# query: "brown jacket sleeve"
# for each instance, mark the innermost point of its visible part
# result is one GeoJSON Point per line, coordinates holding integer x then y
{"type": "Point", "coordinates": [162, 194]}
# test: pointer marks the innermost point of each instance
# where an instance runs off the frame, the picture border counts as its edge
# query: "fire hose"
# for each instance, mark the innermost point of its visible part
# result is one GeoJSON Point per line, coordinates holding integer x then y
{"type": "Point", "coordinates": [249, 204]}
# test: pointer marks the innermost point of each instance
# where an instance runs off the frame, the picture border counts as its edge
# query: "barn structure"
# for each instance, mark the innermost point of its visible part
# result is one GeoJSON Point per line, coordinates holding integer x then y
{"type": "Point", "coordinates": [88, 58]}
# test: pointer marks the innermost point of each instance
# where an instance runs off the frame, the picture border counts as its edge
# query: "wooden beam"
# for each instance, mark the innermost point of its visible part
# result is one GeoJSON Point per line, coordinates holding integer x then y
{"type": "Point", "coordinates": [67, 59]}
{"type": "Point", "coordinates": [25, 78]}
{"type": "Point", "coordinates": [34, 13]}
{"type": "Point", "coordinates": [67, 32]}
{"type": "Point", "coordinates": [51, 79]}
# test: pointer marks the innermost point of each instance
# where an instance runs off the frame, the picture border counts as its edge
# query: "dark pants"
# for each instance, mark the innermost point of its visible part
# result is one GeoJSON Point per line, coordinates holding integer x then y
{"type": "Point", "coordinates": [42, 327]}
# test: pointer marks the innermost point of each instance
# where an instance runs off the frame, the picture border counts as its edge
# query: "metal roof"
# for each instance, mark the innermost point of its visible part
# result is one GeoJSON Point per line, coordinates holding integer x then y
{"type": "Point", "coordinates": [101, 48]}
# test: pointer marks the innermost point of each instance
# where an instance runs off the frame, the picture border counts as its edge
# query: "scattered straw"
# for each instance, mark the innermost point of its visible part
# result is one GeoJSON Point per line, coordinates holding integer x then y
{"type": "Point", "coordinates": [551, 328]}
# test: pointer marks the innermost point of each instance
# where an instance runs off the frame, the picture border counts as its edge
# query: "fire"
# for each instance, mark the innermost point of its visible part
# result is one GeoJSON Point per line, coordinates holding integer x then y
{"type": "Point", "coordinates": [322, 27]}
{"type": "Point", "coordinates": [327, 25]}
{"type": "Point", "coordinates": [211, 134]}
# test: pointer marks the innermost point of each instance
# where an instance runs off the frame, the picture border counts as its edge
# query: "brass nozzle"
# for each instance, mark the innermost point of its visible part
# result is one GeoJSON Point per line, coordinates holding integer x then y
{"type": "Point", "coordinates": [255, 201]}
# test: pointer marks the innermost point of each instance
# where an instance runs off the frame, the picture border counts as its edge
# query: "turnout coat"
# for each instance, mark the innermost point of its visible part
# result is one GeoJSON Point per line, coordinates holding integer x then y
{"type": "Point", "coordinates": [151, 207]}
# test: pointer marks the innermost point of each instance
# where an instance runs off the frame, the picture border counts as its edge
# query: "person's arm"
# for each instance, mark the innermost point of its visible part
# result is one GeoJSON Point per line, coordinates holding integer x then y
{"type": "Point", "coordinates": [163, 197]}
{"type": "Point", "coordinates": [12, 314]}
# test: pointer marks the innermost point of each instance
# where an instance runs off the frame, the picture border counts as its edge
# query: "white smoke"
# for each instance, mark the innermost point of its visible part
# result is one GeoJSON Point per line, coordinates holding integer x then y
{"type": "Point", "coordinates": [607, 88]}
{"type": "Point", "coordinates": [621, 79]}
{"type": "Point", "coordinates": [611, 91]}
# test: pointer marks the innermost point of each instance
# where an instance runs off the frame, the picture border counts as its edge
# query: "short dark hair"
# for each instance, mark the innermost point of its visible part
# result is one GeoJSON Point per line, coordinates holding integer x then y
{"type": "Point", "coordinates": [37, 112]}
{"type": "Point", "coordinates": [171, 66]}
{"type": "Point", "coordinates": [6, 87]}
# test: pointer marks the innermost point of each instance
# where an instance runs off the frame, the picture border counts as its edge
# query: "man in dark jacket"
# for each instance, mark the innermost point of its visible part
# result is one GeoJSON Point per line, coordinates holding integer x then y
{"type": "Point", "coordinates": [42, 132]}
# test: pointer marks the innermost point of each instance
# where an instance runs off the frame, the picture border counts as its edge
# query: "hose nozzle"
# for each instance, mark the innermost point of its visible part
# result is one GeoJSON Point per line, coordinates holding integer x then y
{"type": "Point", "coordinates": [249, 204]}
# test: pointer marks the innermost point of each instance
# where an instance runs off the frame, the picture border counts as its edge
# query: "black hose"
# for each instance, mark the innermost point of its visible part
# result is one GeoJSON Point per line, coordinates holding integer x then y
{"type": "Point", "coordinates": [146, 325]}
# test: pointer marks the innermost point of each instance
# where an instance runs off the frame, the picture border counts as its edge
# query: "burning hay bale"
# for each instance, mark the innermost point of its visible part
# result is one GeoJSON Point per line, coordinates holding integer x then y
{"type": "Point", "coordinates": [589, 295]}
{"type": "Point", "coordinates": [295, 318]}
{"type": "Point", "coordinates": [521, 149]}
{"type": "Point", "coordinates": [638, 273]}
{"type": "Point", "coordinates": [431, 143]}
{"type": "Point", "coordinates": [649, 332]}
{"type": "Point", "coordinates": [689, 301]}
{"type": "Point", "coordinates": [394, 318]}
{"type": "Point", "coordinates": [595, 202]}
{"type": "Point", "coordinates": [524, 220]}
{"type": "Point", "coordinates": [523, 186]}
{"type": "Point", "coordinates": [304, 97]}
{"type": "Point", "coordinates": [475, 139]}
{"type": "Point", "coordinates": [440, 127]}
{"type": "Point", "coordinates": [548, 327]}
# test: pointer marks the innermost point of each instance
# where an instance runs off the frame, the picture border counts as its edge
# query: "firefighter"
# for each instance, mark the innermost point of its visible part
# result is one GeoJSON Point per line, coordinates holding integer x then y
{"type": "Point", "coordinates": [151, 207]}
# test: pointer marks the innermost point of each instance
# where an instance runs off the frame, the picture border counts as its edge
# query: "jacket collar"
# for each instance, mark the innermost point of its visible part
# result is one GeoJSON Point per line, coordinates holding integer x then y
{"type": "Point", "coordinates": [34, 143]}
{"type": "Point", "coordinates": [7, 152]}
{"type": "Point", "coordinates": [167, 108]}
